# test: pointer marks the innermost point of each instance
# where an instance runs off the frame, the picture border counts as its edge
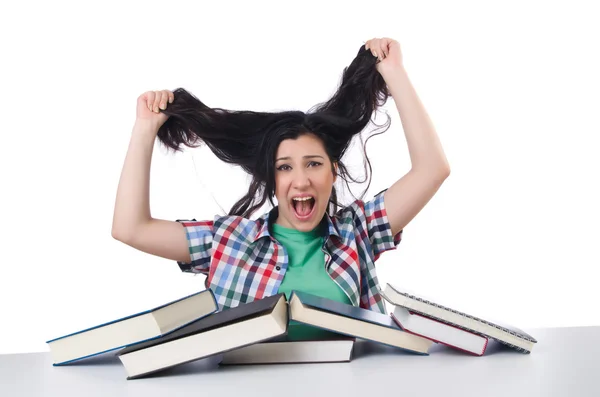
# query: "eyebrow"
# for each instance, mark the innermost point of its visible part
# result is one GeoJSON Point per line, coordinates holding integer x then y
{"type": "Point", "coordinates": [304, 157]}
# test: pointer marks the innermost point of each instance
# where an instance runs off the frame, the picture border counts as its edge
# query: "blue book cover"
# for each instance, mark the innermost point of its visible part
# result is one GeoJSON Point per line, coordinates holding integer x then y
{"type": "Point", "coordinates": [208, 291]}
{"type": "Point", "coordinates": [349, 311]}
{"type": "Point", "coordinates": [345, 310]}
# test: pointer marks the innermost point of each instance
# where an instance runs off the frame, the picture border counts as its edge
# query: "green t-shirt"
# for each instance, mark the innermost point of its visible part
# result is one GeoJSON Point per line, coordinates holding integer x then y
{"type": "Point", "coordinates": [306, 272]}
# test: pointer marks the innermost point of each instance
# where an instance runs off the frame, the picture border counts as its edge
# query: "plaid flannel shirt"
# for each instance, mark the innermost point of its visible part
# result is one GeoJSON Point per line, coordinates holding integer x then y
{"type": "Point", "coordinates": [244, 262]}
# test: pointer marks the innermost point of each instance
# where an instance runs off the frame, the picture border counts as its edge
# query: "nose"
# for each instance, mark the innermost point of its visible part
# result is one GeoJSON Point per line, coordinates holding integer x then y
{"type": "Point", "coordinates": [301, 179]}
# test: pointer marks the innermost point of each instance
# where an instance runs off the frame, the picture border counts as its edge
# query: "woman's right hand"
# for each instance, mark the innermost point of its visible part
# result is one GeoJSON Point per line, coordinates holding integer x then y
{"type": "Point", "coordinates": [150, 104]}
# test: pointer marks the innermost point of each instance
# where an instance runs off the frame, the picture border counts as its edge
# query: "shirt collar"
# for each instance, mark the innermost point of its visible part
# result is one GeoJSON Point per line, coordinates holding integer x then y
{"type": "Point", "coordinates": [272, 215]}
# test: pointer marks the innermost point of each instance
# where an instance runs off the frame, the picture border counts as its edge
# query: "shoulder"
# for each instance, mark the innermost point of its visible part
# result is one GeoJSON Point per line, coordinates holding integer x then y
{"type": "Point", "coordinates": [237, 227]}
{"type": "Point", "coordinates": [360, 211]}
{"type": "Point", "coordinates": [366, 222]}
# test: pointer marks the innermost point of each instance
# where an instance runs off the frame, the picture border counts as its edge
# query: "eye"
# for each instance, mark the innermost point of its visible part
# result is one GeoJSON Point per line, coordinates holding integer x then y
{"type": "Point", "coordinates": [314, 163]}
{"type": "Point", "coordinates": [282, 167]}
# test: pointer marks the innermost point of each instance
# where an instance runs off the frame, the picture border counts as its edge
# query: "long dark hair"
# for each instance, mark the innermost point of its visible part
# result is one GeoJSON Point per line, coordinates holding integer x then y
{"type": "Point", "coordinates": [250, 139]}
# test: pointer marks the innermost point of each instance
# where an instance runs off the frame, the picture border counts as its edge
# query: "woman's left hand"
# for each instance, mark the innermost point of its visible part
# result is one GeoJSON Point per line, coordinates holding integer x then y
{"type": "Point", "coordinates": [387, 52]}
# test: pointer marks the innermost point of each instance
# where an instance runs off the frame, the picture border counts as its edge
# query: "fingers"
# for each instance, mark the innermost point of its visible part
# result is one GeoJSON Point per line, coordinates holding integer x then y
{"type": "Point", "coordinates": [370, 46]}
{"type": "Point", "coordinates": [383, 49]}
{"type": "Point", "coordinates": [373, 46]}
{"type": "Point", "coordinates": [164, 99]}
{"type": "Point", "coordinates": [157, 100]}
{"type": "Point", "coordinates": [379, 47]}
{"type": "Point", "coordinates": [150, 99]}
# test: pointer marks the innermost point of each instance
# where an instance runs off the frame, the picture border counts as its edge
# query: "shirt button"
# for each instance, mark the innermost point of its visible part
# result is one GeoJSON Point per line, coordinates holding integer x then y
{"type": "Point", "coordinates": [278, 267]}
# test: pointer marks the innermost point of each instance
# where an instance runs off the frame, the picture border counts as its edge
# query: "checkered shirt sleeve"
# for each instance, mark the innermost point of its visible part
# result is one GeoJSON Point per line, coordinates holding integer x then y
{"type": "Point", "coordinates": [199, 237]}
{"type": "Point", "coordinates": [378, 227]}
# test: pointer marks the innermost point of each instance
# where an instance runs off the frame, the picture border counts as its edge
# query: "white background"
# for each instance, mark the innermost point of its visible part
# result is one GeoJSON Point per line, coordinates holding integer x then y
{"type": "Point", "coordinates": [512, 88]}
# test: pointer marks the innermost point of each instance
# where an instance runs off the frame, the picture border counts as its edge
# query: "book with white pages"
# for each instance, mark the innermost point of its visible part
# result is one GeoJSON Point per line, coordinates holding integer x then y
{"type": "Point", "coordinates": [354, 321]}
{"type": "Point", "coordinates": [133, 329]}
{"type": "Point", "coordinates": [440, 332]}
{"type": "Point", "coordinates": [505, 334]}
{"type": "Point", "coordinates": [284, 351]}
{"type": "Point", "coordinates": [233, 328]}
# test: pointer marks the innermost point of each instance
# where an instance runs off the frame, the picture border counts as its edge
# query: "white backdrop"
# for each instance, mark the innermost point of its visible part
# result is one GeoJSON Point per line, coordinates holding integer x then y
{"type": "Point", "coordinates": [512, 88]}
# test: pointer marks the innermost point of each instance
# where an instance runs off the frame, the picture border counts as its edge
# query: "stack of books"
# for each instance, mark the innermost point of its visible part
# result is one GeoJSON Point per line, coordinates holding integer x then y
{"type": "Point", "coordinates": [192, 328]}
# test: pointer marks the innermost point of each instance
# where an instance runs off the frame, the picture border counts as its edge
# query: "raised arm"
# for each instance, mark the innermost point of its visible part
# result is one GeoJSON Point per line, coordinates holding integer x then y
{"type": "Point", "coordinates": [430, 168]}
{"type": "Point", "coordinates": [132, 221]}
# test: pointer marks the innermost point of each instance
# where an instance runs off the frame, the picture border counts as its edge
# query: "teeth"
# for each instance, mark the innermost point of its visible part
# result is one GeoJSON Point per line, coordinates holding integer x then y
{"type": "Point", "coordinates": [301, 198]}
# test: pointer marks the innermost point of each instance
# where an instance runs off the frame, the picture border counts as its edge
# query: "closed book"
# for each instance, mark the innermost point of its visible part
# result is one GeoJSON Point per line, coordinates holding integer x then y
{"type": "Point", "coordinates": [508, 335]}
{"type": "Point", "coordinates": [354, 321]}
{"type": "Point", "coordinates": [136, 328]}
{"type": "Point", "coordinates": [440, 332]}
{"type": "Point", "coordinates": [233, 328]}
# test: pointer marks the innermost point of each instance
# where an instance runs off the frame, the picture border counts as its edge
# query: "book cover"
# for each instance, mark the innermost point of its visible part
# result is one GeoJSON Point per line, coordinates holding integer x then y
{"type": "Point", "coordinates": [103, 327]}
{"type": "Point", "coordinates": [488, 328]}
{"type": "Point", "coordinates": [386, 331]}
{"type": "Point", "coordinates": [216, 320]}
{"type": "Point", "coordinates": [403, 319]}
{"type": "Point", "coordinates": [334, 307]}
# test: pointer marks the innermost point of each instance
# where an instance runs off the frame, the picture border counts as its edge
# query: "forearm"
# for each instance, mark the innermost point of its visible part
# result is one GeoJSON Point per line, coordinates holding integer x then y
{"type": "Point", "coordinates": [424, 146]}
{"type": "Point", "coordinates": [132, 205]}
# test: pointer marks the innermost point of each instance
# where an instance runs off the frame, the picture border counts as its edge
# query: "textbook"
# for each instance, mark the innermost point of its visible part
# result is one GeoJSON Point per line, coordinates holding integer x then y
{"type": "Point", "coordinates": [506, 334]}
{"type": "Point", "coordinates": [354, 322]}
{"type": "Point", "coordinates": [232, 328]}
{"type": "Point", "coordinates": [132, 329]}
{"type": "Point", "coordinates": [440, 332]}
{"type": "Point", "coordinates": [284, 351]}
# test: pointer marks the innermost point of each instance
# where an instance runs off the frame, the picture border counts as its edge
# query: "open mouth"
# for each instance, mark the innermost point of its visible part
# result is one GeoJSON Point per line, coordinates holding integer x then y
{"type": "Point", "coordinates": [303, 206]}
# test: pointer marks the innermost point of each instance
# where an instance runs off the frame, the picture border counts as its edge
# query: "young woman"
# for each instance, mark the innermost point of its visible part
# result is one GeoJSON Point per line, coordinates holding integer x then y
{"type": "Point", "coordinates": [305, 242]}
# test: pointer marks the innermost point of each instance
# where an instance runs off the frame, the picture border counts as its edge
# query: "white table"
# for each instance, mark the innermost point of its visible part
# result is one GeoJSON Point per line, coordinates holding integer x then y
{"type": "Point", "coordinates": [564, 362]}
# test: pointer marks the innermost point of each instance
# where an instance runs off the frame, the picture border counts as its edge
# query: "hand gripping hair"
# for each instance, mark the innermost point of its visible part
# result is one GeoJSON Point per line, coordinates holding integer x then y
{"type": "Point", "coordinates": [250, 139]}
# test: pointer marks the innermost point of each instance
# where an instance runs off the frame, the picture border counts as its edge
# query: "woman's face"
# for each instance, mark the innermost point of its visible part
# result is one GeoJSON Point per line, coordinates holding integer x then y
{"type": "Point", "coordinates": [303, 182]}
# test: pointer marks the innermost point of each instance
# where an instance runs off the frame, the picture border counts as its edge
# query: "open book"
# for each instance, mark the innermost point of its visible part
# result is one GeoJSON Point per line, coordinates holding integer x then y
{"type": "Point", "coordinates": [354, 321]}
{"type": "Point", "coordinates": [503, 333]}
{"type": "Point", "coordinates": [233, 328]}
{"type": "Point", "coordinates": [132, 329]}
